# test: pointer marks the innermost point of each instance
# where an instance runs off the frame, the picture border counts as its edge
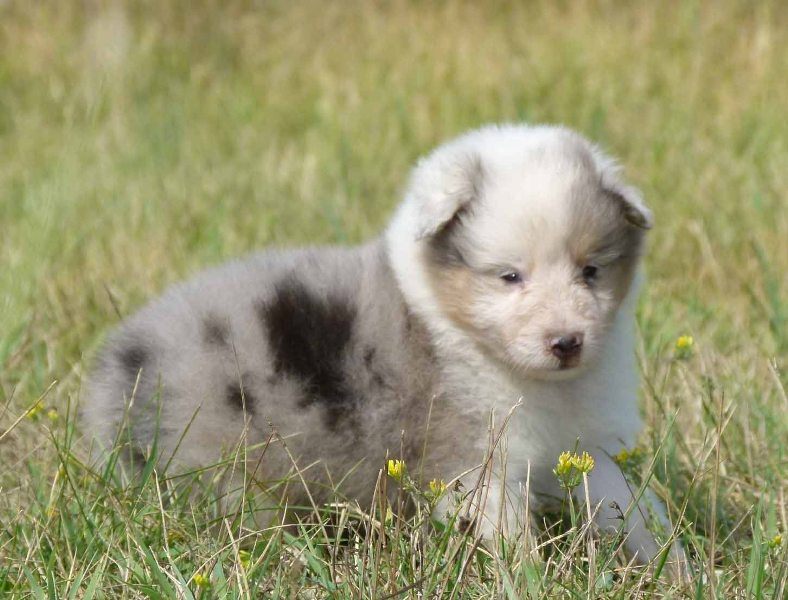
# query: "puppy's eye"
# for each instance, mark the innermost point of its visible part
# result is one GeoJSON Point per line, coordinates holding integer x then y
{"type": "Point", "coordinates": [512, 277]}
{"type": "Point", "coordinates": [590, 273]}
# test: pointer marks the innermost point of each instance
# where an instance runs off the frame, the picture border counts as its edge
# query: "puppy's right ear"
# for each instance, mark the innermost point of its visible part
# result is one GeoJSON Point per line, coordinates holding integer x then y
{"type": "Point", "coordinates": [442, 186]}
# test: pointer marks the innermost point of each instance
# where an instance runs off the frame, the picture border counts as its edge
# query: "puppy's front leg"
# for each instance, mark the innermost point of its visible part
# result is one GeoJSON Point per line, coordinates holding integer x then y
{"type": "Point", "coordinates": [609, 490]}
{"type": "Point", "coordinates": [486, 511]}
{"type": "Point", "coordinates": [499, 512]}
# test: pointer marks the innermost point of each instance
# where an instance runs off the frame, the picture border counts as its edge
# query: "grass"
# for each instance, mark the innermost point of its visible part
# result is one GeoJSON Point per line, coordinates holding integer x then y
{"type": "Point", "coordinates": [142, 141]}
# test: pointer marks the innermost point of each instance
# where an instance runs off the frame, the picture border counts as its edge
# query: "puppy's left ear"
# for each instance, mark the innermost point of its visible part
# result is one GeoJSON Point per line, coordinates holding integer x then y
{"type": "Point", "coordinates": [631, 201]}
{"type": "Point", "coordinates": [442, 186]}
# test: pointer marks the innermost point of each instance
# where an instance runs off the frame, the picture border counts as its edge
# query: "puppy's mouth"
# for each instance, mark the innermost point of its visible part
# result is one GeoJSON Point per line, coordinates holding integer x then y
{"type": "Point", "coordinates": [566, 369]}
{"type": "Point", "coordinates": [559, 370]}
{"type": "Point", "coordinates": [557, 374]}
{"type": "Point", "coordinates": [567, 364]}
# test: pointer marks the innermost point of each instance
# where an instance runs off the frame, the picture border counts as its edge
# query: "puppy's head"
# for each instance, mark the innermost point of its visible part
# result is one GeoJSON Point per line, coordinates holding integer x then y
{"type": "Point", "coordinates": [530, 243]}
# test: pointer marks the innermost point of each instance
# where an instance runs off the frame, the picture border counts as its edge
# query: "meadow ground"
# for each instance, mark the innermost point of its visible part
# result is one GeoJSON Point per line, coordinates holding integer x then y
{"type": "Point", "coordinates": [142, 141]}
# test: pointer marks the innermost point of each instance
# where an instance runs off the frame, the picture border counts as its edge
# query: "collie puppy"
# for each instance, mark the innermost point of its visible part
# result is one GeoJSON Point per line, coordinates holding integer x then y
{"type": "Point", "coordinates": [504, 285]}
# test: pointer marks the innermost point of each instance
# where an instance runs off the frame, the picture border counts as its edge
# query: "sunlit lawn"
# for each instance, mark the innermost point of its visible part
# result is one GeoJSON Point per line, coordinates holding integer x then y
{"type": "Point", "coordinates": [142, 141]}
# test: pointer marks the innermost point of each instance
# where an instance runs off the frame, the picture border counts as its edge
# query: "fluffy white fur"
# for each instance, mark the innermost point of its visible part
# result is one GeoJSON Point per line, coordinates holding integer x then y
{"type": "Point", "coordinates": [521, 219]}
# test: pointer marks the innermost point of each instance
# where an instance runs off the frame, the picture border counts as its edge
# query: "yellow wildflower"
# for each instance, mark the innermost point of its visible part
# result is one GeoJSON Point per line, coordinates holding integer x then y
{"type": "Point", "coordinates": [201, 580]}
{"type": "Point", "coordinates": [571, 466]}
{"type": "Point", "coordinates": [776, 541]}
{"type": "Point", "coordinates": [35, 411]}
{"type": "Point", "coordinates": [437, 487]}
{"type": "Point", "coordinates": [622, 456]}
{"type": "Point", "coordinates": [396, 469]}
{"type": "Point", "coordinates": [584, 463]}
{"type": "Point", "coordinates": [564, 466]}
{"type": "Point", "coordinates": [53, 415]}
{"type": "Point", "coordinates": [684, 346]}
{"type": "Point", "coordinates": [174, 537]}
{"type": "Point", "coordinates": [628, 458]}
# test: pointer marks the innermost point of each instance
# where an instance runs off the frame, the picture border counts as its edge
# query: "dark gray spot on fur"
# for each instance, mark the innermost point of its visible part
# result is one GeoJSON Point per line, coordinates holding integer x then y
{"type": "Point", "coordinates": [369, 364]}
{"type": "Point", "coordinates": [137, 458]}
{"type": "Point", "coordinates": [466, 525]}
{"type": "Point", "coordinates": [308, 336]}
{"type": "Point", "coordinates": [369, 356]}
{"type": "Point", "coordinates": [215, 332]}
{"type": "Point", "coordinates": [406, 314]}
{"type": "Point", "coordinates": [240, 399]}
{"type": "Point", "coordinates": [132, 358]}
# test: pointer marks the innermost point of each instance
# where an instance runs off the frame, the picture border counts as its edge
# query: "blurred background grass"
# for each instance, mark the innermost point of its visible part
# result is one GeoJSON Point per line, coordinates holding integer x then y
{"type": "Point", "coordinates": [141, 141]}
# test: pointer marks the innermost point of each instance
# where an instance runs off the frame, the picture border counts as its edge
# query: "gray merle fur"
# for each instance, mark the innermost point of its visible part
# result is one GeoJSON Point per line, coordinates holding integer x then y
{"type": "Point", "coordinates": [329, 355]}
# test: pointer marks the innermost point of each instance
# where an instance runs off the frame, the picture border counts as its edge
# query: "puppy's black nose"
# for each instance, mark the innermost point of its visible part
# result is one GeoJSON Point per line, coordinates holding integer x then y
{"type": "Point", "coordinates": [566, 346]}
